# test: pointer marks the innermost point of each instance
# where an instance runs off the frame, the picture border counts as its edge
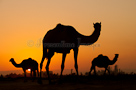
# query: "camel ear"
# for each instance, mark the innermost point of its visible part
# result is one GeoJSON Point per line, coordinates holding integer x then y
{"type": "Point", "coordinates": [93, 23]}
{"type": "Point", "coordinates": [100, 23]}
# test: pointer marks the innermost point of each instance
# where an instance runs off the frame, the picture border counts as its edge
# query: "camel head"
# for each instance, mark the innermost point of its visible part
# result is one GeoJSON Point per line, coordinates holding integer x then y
{"type": "Point", "coordinates": [116, 55]}
{"type": "Point", "coordinates": [11, 60]}
{"type": "Point", "coordinates": [97, 26]}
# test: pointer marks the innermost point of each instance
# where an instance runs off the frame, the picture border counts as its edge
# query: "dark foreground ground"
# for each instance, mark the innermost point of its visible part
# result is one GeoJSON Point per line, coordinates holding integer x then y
{"type": "Point", "coordinates": [120, 82]}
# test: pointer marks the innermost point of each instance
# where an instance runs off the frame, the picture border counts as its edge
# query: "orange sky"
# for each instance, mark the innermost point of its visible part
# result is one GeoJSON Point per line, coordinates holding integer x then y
{"type": "Point", "coordinates": [23, 21]}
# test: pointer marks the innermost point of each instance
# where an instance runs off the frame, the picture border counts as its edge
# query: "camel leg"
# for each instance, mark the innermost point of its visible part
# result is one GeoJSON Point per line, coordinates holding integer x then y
{"type": "Point", "coordinates": [108, 71]}
{"type": "Point", "coordinates": [25, 75]}
{"type": "Point", "coordinates": [105, 71]}
{"type": "Point", "coordinates": [75, 57]}
{"type": "Point", "coordinates": [48, 63]}
{"type": "Point", "coordinates": [41, 64]}
{"type": "Point", "coordinates": [38, 72]}
{"type": "Point", "coordinates": [63, 61]}
{"type": "Point", "coordinates": [91, 70]}
{"type": "Point", "coordinates": [34, 74]}
{"type": "Point", "coordinates": [47, 69]}
{"type": "Point", "coordinates": [94, 71]}
{"type": "Point", "coordinates": [31, 74]}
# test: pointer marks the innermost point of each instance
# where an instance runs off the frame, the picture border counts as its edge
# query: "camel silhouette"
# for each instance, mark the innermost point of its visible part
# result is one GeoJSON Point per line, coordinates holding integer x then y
{"type": "Point", "coordinates": [103, 61]}
{"type": "Point", "coordinates": [27, 64]}
{"type": "Point", "coordinates": [62, 39]}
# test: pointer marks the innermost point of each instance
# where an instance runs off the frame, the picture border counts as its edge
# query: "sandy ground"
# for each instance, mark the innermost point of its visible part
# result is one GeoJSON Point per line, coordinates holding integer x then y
{"type": "Point", "coordinates": [84, 84]}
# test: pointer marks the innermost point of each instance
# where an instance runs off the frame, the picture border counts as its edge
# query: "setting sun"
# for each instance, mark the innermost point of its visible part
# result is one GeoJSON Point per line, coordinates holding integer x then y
{"type": "Point", "coordinates": [29, 69]}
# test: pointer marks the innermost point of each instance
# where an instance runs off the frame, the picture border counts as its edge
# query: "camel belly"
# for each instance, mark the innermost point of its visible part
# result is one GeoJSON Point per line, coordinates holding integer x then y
{"type": "Point", "coordinates": [60, 50]}
{"type": "Point", "coordinates": [102, 65]}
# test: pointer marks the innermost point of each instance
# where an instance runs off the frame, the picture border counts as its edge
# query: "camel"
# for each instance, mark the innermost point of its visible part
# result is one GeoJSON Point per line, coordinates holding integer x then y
{"type": "Point", "coordinates": [62, 39]}
{"type": "Point", "coordinates": [27, 64]}
{"type": "Point", "coordinates": [103, 61]}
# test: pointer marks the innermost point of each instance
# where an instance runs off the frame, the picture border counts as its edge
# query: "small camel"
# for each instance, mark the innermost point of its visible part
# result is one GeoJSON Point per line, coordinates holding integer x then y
{"type": "Point", "coordinates": [27, 64]}
{"type": "Point", "coordinates": [103, 61]}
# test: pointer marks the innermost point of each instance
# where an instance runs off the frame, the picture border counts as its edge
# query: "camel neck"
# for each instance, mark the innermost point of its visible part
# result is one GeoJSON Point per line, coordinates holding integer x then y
{"type": "Point", "coordinates": [88, 40]}
{"type": "Point", "coordinates": [15, 64]}
{"type": "Point", "coordinates": [114, 60]}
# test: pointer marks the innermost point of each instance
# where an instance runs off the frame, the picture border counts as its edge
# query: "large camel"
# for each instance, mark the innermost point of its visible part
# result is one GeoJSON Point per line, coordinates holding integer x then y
{"type": "Point", "coordinates": [27, 64]}
{"type": "Point", "coordinates": [62, 39]}
{"type": "Point", "coordinates": [103, 61]}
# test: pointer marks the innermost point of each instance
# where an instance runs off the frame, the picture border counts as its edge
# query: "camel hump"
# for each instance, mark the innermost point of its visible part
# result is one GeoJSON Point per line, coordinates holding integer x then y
{"type": "Point", "coordinates": [59, 26]}
{"type": "Point", "coordinates": [29, 58]}
{"type": "Point", "coordinates": [32, 60]}
{"type": "Point", "coordinates": [100, 55]}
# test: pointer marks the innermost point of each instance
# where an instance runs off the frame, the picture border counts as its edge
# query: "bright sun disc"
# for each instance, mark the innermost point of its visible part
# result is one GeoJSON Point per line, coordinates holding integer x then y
{"type": "Point", "coordinates": [29, 69]}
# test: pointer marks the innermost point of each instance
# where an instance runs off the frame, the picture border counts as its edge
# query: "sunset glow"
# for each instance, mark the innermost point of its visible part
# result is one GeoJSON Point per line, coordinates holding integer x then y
{"type": "Point", "coordinates": [29, 69]}
{"type": "Point", "coordinates": [25, 22]}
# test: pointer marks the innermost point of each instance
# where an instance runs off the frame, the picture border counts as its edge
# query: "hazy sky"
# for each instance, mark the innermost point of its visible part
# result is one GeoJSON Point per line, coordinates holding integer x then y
{"type": "Point", "coordinates": [23, 24]}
